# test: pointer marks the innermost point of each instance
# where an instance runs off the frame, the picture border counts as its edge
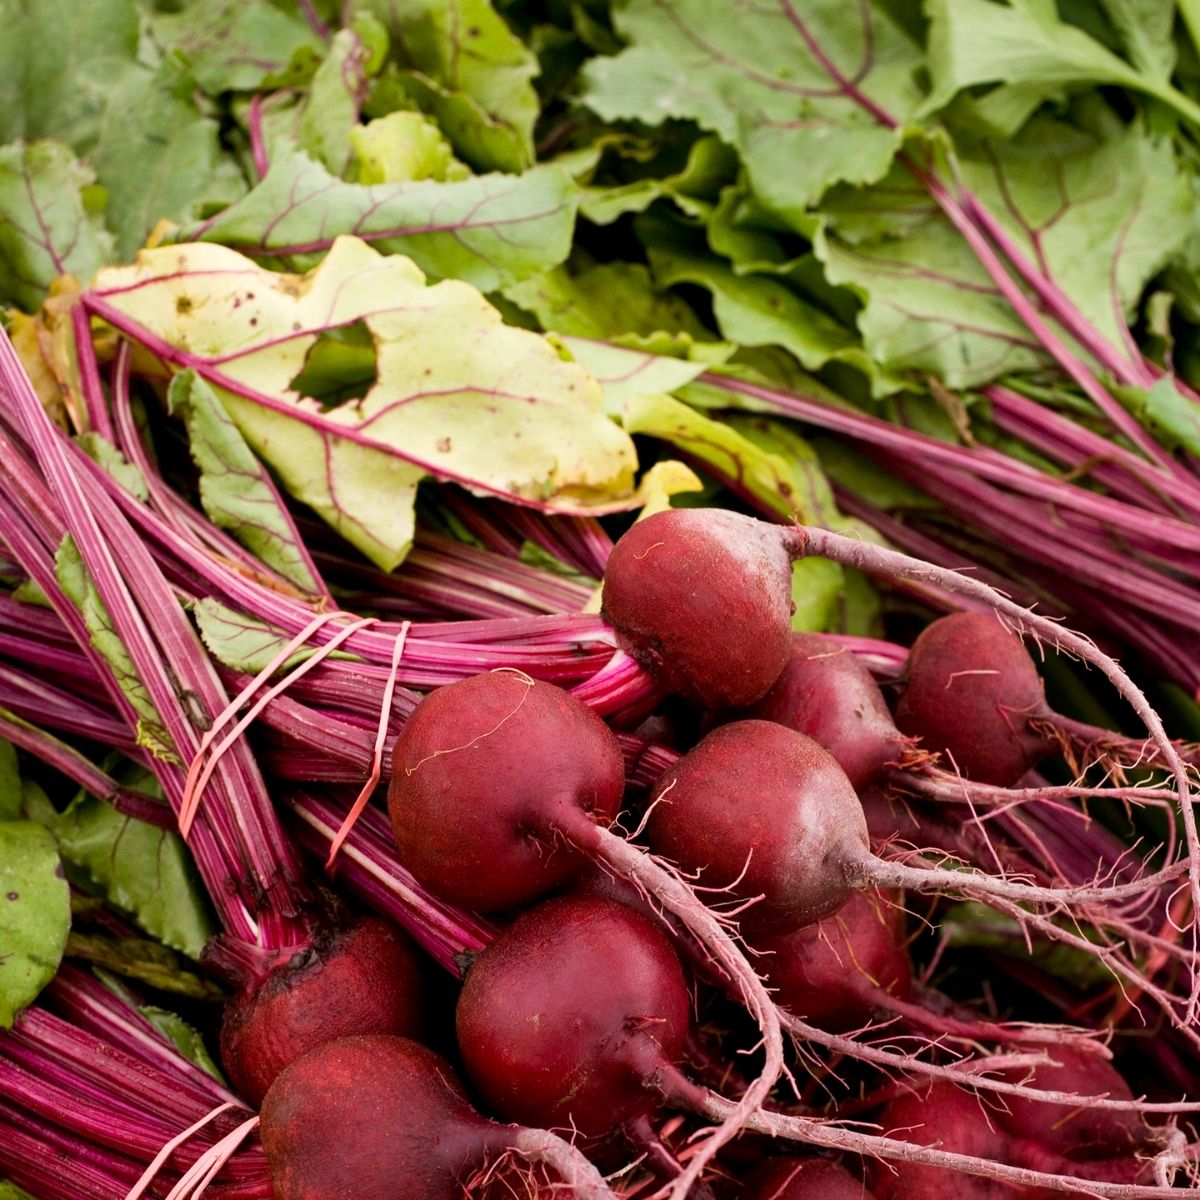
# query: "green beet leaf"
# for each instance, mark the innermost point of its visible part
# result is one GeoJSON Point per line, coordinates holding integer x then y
{"type": "Point", "coordinates": [755, 310]}
{"type": "Point", "coordinates": [331, 110]}
{"type": "Point", "coordinates": [810, 95]}
{"type": "Point", "coordinates": [457, 394]}
{"type": "Point", "coordinates": [241, 45]}
{"type": "Point", "coordinates": [159, 156]}
{"type": "Point", "coordinates": [144, 870]}
{"type": "Point", "coordinates": [59, 60]}
{"type": "Point", "coordinates": [10, 782]}
{"type": "Point", "coordinates": [235, 490]}
{"type": "Point", "coordinates": [1025, 46]}
{"type": "Point", "coordinates": [402, 147]}
{"type": "Point", "coordinates": [464, 66]}
{"type": "Point", "coordinates": [80, 589]}
{"type": "Point", "coordinates": [47, 227]}
{"type": "Point", "coordinates": [604, 300]}
{"type": "Point", "coordinates": [489, 231]}
{"type": "Point", "coordinates": [1115, 215]}
{"type": "Point", "coordinates": [35, 915]}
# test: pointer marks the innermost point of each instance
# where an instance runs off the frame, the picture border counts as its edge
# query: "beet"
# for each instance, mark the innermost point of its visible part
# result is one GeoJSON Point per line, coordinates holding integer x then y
{"type": "Point", "coordinates": [372, 1118]}
{"type": "Point", "coordinates": [804, 1179]}
{"type": "Point", "coordinates": [376, 1117]}
{"type": "Point", "coordinates": [702, 599]}
{"type": "Point", "coordinates": [838, 973]}
{"type": "Point", "coordinates": [761, 810]}
{"type": "Point", "coordinates": [826, 693]}
{"type": "Point", "coordinates": [971, 692]}
{"type": "Point", "coordinates": [1078, 1132]}
{"type": "Point", "coordinates": [364, 978]}
{"type": "Point", "coordinates": [486, 773]}
{"type": "Point", "coordinates": [571, 1013]}
{"type": "Point", "coordinates": [949, 1118]}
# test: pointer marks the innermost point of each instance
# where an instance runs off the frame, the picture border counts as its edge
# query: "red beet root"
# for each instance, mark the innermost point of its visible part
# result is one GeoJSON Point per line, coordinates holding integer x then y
{"type": "Point", "coordinates": [485, 774]}
{"type": "Point", "coordinates": [971, 692]}
{"type": "Point", "coordinates": [838, 973]}
{"type": "Point", "coordinates": [365, 978]}
{"type": "Point", "coordinates": [827, 694]}
{"type": "Point", "coordinates": [945, 1116]}
{"type": "Point", "coordinates": [372, 1118]}
{"type": "Point", "coordinates": [761, 810]}
{"type": "Point", "coordinates": [702, 599]}
{"type": "Point", "coordinates": [1077, 1132]}
{"type": "Point", "coordinates": [804, 1179]}
{"type": "Point", "coordinates": [570, 1015]}
{"type": "Point", "coordinates": [383, 1118]}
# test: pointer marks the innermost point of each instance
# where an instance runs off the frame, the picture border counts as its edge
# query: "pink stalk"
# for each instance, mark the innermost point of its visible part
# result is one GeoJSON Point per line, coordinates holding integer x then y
{"type": "Point", "coordinates": [1125, 368]}
{"type": "Point", "coordinates": [368, 867]}
{"type": "Point", "coordinates": [154, 631]}
{"type": "Point", "coordinates": [258, 144]}
{"type": "Point", "coordinates": [95, 406]}
{"type": "Point", "coordinates": [81, 770]}
{"type": "Point", "coordinates": [368, 788]}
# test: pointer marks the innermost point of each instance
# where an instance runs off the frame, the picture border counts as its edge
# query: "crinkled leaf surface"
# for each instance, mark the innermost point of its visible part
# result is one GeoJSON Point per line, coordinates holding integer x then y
{"type": "Point", "coordinates": [604, 300]}
{"type": "Point", "coordinates": [35, 915]}
{"type": "Point", "coordinates": [810, 93]}
{"type": "Point", "coordinates": [490, 231]}
{"type": "Point", "coordinates": [458, 395]}
{"type": "Point", "coordinates": [1115, 214]}
{"type": "Point", "coordinates": [402, 147]}
{"type": "Point", "coordinates": [710, 163]}
{"type": "Point", "coordinates": [753, 310]}
{"type": "Point", "coordinates": [241, 44]}
{"type": "Point", "coordinates": [626, 373]}
{"type": "Point", "coordinates": [46, 228]}
{"type": "Point", "coordinates": [466, 67]}
{"type": "Point", "coordinates": [235, 489]}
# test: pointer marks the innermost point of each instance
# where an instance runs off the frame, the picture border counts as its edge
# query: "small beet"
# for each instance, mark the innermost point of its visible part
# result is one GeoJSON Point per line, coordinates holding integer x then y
{"type": "Point", "coordinates": [372, 1118]}
{"type": "Point", "coordinates": [804, 1179]}
{"type": "Point", "coordinates": [702, 599]}
{"type": "Point", "coordinates": [827, 694]}
{"type": "Point", "coordinates": [762, 811]}
{"type": "Point", "coordinates": [971, 693]}
{"type": "Point", "coordinates": [1078, 1131]}
{"type": "Point", "coordinates": [567, 1017]}
{"type": "Point", "coordinates": [485, 774]}
{"type": "Point", "coordinates": [365, 978]}
{"type": "Point", "coordinates": [949, 1118]}
{"type": "Point", "coordinates": [838, 973]}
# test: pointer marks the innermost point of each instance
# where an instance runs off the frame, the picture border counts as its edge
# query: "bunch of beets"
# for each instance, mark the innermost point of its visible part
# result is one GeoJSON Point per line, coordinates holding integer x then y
{"type": "Point", "coordinates": [757, 868]}
{"type": "Point", "coordinates": [673, 896]}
